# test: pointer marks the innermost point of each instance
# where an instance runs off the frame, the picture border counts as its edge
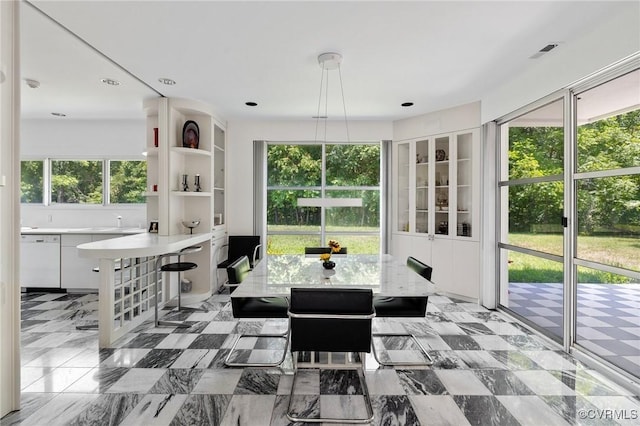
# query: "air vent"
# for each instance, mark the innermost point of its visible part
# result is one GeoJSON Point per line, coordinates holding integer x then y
{"type": "Point", "coordinates": [549, 47]}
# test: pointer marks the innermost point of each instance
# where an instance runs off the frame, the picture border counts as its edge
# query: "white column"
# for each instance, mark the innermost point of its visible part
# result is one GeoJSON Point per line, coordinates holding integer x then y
{"type": "Point", "coordinates": [9, 207]}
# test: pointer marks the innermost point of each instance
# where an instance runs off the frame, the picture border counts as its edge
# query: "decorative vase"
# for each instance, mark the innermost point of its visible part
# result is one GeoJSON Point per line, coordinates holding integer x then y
{"type": "Point", "coordinates": [329, 264]}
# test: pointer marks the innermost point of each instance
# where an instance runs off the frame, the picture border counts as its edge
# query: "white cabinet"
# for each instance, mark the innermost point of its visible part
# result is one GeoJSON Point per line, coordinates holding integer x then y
{"type": "Point", "coordinates": [437, 205]}
{"type": "Point", "coordinates": [170, 165]}
{"type": "Point", "coordinates": [77, 273]}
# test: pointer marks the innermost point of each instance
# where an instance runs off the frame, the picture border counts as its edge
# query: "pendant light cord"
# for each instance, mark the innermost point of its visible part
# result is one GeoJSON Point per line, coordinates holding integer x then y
{"type": "Point", "coordinates": [344, 105]}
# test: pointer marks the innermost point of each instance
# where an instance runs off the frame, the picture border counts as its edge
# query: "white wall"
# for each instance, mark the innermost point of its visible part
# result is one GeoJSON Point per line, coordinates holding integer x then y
{"type": "Point", "coordinates": [82, 139]}
{"type": "Point", "coordinates": [240, 137]}
{"type": "Point", "coordinates": [615, 38]}
{"type": "Point", "coordinates": [461, 117]}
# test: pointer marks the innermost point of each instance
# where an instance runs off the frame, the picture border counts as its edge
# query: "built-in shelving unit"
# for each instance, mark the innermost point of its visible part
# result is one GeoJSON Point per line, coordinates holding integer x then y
{"type": "Point", "coordinates": [170, 165]}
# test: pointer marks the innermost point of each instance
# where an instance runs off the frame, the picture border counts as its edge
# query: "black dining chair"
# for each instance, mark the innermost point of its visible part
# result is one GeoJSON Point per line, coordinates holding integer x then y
{"type": "Point", "coordinates": [241, 245]}
{"type": "Point", "coordinates": [236, 247]}
{"type": "Point", "coordinates": [330, 320]}
{"type": "Point", "coordinates": [255, 307]}
{"type": "Point", "coordinates": [322, 250]}
{"type": "Point", "coordinates": [404, 307]}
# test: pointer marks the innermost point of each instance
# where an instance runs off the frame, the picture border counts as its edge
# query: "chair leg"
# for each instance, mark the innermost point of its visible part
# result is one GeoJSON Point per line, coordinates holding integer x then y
{"type": "Point", "coordinates": [285, 335]}
{"type": "Point", "coordinates": [294, 417]}
{"type": "Point", "coordinates": [400, 363]}
{"type": "Point", "coordinates": [158, 322]}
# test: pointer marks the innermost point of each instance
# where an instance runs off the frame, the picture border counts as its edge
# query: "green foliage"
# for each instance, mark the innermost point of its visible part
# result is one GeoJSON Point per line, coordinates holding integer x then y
{"type": "Point", "coordinates": [31, 182]}
{"type": "Point", "coordinates": [128, 181]}
{"type": "Point", "coordinates": [604, 205]}
{"type": "Point", "coordinates": [294, 167]}
{"type": "Point", "coordinates": [77, 181]}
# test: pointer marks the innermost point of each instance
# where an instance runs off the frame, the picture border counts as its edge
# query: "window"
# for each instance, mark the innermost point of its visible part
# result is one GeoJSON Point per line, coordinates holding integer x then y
{"type": "Point", "coordinates": [323, 172]}
{"type": "Point", "coordinates": [127, 181]}
{"type": "Point", "coordinates": [89, 182]}
{"type": "Point", "coordinates": [76, 182]}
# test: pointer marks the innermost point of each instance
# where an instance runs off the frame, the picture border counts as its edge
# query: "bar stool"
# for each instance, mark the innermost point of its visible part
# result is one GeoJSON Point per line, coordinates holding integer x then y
{"type": "Point", "coordinates": [178, 267]}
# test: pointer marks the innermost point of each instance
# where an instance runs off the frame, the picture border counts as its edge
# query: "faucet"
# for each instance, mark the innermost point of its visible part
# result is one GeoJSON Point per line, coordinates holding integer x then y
{"type": "Point", "coordinates": [119, 219]}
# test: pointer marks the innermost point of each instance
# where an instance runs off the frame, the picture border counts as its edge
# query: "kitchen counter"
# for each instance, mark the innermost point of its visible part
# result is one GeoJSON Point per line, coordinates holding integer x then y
{"type": "Point", "coordinates": [141, 245]}
{"type": "Point", "coordinates": [91, 230]}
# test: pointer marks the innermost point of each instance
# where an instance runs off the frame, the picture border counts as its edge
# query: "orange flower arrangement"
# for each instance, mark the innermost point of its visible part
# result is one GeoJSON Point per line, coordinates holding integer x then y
{"type": "Point", "coordinates": [335, 246]}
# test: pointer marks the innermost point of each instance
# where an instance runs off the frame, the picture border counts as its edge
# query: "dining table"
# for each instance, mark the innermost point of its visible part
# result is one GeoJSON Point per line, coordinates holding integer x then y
{"type": "Point", "coordinates": [275, 275]}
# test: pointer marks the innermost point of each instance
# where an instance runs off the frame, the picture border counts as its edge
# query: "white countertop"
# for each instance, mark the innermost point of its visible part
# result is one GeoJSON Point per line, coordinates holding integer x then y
{"type": "Point", "coordinates": [91, 230]}
{"type": "Point", "coordinates": [385, 275]}
{"type": "Point", "coordinates": [140, 245]}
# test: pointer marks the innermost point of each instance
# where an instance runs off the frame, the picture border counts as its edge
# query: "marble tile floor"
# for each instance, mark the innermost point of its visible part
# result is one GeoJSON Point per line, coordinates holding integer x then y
{"type": "Point", "coordinates": [608, 320]}
{"type": "Point", "coordinates": [488, 370]}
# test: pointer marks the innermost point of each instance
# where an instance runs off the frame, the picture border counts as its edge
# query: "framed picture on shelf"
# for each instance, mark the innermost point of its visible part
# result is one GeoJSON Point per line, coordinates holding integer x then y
{"type": "Point", "coordinates": [153, 226]}
{"type": "Point", "coordinates": [190, 135]}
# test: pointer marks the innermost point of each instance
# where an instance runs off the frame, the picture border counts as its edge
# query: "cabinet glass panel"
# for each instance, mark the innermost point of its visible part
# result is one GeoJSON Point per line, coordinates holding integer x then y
{"type": "Point", "coordinates": [442, 195]}
{"type": "Point", "coordinates": [464, 190]}
{"type": "Point", "coordinates": [403, 188]}
{"type": "Point", "coordinates": [422, 186]}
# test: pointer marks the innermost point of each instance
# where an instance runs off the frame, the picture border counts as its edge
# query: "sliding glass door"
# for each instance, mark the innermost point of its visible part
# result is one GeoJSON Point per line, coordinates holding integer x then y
{"type": "Point", "coordinates": [531, 234]}
{"type": "Point", "coordinates": [322, 191]}
{"type": "Point", "coordinates": [569, 243]}
{"type": "Point", "coordinates": [607, 249]}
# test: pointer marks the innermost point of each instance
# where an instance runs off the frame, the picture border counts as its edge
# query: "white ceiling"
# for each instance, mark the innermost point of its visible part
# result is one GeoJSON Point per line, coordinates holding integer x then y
{"type": "Point", "coordinates": [435, 54]}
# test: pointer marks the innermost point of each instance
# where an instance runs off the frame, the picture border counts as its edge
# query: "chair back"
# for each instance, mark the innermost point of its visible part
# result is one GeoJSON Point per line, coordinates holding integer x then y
{"type": "Point", "coordinates": [322, 250]}
{"type": "Point", "coordinates": [238, 270]}
{"type": "Point", "coordinates": [331, 319]}
{"type": "Point", "coordinates": [420, 268]}
{"type": "Point", "coordinates": [243, 245]}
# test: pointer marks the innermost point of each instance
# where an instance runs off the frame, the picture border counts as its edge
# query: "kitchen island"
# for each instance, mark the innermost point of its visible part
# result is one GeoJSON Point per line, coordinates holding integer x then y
{"type": "Point", "coordinates": [128, 278]}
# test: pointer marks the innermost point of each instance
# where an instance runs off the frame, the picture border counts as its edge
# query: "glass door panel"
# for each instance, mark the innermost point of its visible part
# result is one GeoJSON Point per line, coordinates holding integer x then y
{"type": "Point", "coordinates": [608, 317]}
{"type": "Point", "coordinates": [402, 224]}
{"type": "Point", "coordinates": [532, 235]}
{"type": "Point", "coordinates": [442, 195]}
{"type": "Point", "coordinates": [422, 186]}
{"type": "Point", "coordinates": [464, 185]}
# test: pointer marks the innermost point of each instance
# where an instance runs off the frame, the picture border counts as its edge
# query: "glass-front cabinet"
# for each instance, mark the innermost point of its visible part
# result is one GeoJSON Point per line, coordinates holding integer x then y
{"type": "Point", "coordinates": [402, 189]}
{"type": "Point", "coordinates": [422, 186]}
{"type": "Point", "coordinates": [436, 191]}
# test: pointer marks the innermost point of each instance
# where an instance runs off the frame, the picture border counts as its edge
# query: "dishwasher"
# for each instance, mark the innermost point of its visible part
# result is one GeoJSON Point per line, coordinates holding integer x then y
{"type": "Point", "coordinates": [40, 261]}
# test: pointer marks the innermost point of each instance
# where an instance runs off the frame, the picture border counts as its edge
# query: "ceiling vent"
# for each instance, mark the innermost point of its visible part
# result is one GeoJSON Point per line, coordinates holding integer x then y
{"type": "Point", "coordinates": [548, 48]}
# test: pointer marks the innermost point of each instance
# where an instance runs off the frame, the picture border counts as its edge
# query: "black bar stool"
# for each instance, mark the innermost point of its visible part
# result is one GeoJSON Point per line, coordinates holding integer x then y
{"type": "Point", "coordinates": [178, 267]}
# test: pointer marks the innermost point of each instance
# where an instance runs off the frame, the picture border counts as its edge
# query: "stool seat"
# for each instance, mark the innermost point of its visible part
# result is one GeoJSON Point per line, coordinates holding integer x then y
{"type": "Point", "coordinates": [178, 266]}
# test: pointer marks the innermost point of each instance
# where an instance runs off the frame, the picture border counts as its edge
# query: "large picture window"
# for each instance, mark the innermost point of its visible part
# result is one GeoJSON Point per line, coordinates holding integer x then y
{"type": "Point", "coordinates": [321, 173]}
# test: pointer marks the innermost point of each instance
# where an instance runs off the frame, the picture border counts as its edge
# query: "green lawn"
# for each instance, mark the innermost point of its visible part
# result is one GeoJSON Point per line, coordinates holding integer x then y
{"type": "Point", "coordinates": [614, 251]}
{"type": "Point", "coordinates": [295, 244]}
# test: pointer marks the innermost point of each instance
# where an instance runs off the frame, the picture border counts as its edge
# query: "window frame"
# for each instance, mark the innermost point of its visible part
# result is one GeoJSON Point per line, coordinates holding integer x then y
{"type": "Point", "coordinates": [106, 182]}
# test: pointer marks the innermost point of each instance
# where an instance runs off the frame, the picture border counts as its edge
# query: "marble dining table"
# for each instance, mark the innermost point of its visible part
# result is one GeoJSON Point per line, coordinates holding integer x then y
{"type": "Point", "coordinates": [275, 275]}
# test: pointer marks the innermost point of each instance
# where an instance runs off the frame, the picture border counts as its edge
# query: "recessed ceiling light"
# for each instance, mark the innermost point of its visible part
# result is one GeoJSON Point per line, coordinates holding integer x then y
{"type": "Point", "coordinates": [58, 114]}
{"type": "Point", "coordinates": [406, 104]}
{"type": "Point", "coordinates": [251, 104]}
{"type": "Point", "coordinates": [110, 81]}
{"type": "Point", "coordinates": [166, 81]}
{"type": "Point", "coordinates": [321, 117]}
